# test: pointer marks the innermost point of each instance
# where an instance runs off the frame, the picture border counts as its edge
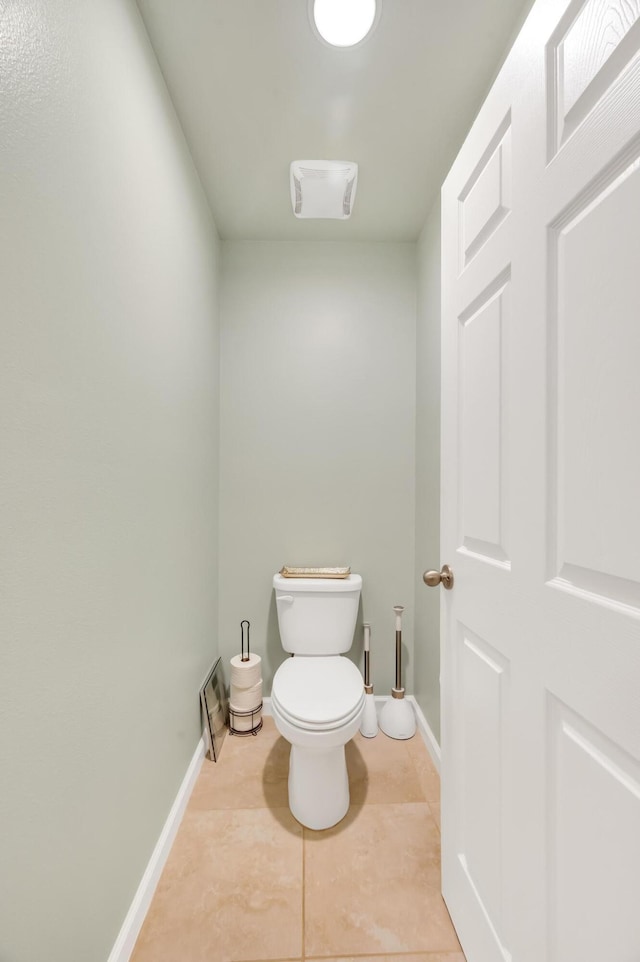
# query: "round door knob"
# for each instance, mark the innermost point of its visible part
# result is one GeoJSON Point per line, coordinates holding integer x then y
{"type": "Point", "coordinates": [434, 578]}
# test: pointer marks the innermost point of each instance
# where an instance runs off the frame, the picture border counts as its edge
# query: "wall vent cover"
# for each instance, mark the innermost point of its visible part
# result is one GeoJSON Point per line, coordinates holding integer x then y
{"type": "Point", "coordinates": [323, 188]}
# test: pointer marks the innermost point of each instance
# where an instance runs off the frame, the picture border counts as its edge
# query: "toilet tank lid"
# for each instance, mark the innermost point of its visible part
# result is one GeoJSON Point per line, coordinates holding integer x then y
{"type": "Point", "coordinates": [290, 586]}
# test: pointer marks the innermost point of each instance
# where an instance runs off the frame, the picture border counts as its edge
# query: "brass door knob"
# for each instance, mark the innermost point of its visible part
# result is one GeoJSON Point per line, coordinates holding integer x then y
{"type": "Point", "coordinates": [443, 577]}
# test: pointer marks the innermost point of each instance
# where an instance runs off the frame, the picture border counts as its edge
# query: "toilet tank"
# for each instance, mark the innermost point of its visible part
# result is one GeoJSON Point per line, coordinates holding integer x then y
{"type": "Point", "coordinates": [317, 616]}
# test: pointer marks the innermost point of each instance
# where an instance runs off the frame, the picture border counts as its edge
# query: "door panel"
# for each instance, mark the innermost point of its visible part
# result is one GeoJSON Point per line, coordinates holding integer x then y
{"type": "Point", "coordinates": [483, 422]}
{"type": "Point", "coordinates": [595, 467]}
{"type": "Point", "coordinates": [593, 803]}
{"type": "Point", "coordinates": [541, 499]}
{"type": "Point", "coordinates": [486, 198]}
{"type": "Point", "coordinates": [593, 43]}
{"type": "Point", "coordinates": [484, 681]}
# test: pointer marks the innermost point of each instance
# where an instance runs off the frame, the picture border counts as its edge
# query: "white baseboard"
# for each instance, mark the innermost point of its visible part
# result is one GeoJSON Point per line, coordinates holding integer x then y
{"type": "Point", "coordinates": [428, 737]}
{"type": "Point", "coordinates": [124, 944]}
{"type": "Point", "coordinates": [423, 725]}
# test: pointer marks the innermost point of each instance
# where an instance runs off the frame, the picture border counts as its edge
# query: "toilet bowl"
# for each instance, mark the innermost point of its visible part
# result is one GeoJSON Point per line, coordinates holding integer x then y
{"type": "Point", "coordinates": [317, 696]}
{"type": "Point", "coordinates": [317, 704]}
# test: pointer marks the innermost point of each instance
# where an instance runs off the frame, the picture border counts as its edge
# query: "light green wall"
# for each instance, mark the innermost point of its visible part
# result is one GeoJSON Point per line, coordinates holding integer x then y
{"type": "Point", "coordinates": [317, 432]}
{"type": "Point", "coordinates": [427, 624]}
{"type": "Point", "coordinates": [108, 484]}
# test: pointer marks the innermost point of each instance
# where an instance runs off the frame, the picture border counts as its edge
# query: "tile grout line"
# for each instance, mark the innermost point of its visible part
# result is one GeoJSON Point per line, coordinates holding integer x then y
{"type": "Point", "coordinates": [368, 955]}
{"type": "Point", "coordinates": [385, 955]}
{"type": "Point", "coordinates": [284, 808]}
{"type": "Point", "coordinates": [438, 953]}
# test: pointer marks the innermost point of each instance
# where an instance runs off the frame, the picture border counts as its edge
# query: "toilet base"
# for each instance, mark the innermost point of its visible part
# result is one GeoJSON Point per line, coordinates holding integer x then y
{"type": "Point", "coordinates": [318, 786]}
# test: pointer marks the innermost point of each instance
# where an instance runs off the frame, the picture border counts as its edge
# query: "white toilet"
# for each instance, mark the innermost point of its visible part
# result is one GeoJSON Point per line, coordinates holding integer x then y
{"type": "Point", "coordinates": [317, 697]}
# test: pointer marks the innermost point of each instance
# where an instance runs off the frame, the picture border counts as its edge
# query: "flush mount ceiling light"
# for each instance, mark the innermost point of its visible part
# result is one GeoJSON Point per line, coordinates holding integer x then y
{"type": "Point", "coordinates": [343, 23]}
{"type": "Point", "coordinates": [323, 188]}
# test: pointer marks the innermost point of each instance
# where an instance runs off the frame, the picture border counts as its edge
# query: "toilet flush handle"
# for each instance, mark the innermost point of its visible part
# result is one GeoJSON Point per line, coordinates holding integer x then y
{"type": "Point", "coordinates": [286, 599]}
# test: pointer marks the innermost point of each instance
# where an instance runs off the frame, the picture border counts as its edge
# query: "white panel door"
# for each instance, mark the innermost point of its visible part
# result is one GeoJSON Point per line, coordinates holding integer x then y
{"type": "Point", "coordinates": [541, 499]}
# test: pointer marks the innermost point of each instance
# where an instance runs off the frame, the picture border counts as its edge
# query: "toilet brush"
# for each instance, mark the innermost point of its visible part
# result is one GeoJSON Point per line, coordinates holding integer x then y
{"type": "Point", "coordinates": [369, 723]}
{"type": "Point", "coordinates": [397, 718]}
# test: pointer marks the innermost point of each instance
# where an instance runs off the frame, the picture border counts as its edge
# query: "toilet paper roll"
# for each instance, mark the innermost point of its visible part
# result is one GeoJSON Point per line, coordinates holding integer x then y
{"type": "Point", "coordinates": [245, 723]}
{"type": "Point", "coordinates": [245, 699]}
{"type": "Point", "coordinates": [245, 674]}
{"type": "Point", "coordinates": [246, 679]}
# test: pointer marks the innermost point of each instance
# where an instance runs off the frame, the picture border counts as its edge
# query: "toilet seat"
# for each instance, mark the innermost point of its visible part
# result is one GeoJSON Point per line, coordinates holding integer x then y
{"type": "Point", "coordinates": [304, 725]}
{"type": "Point", "coordinates": [318, 693]}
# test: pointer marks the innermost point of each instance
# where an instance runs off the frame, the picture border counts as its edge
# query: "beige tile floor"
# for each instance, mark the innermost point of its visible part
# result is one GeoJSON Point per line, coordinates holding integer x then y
{"type": "Point", "coordinates": [246, 883]}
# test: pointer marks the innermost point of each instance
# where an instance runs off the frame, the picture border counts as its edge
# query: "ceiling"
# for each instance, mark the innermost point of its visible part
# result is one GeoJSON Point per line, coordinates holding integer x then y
{"type": "Point", "coordinates": [255, 88]}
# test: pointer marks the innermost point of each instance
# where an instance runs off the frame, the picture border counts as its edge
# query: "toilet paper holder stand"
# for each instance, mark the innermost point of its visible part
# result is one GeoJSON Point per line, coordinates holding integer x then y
{"type": "Point", "coordinates": [255, 724]}
{"type": "Point", "coordinates": [244, 657]}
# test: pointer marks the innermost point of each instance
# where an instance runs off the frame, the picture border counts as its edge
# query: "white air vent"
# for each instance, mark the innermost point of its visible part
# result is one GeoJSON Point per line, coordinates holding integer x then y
{"type": "Point", "coordinates": [323, 188]}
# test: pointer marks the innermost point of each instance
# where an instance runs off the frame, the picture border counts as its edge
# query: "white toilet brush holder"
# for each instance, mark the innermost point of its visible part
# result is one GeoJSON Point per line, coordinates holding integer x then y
{"type": "Point", "coordinates": [369, 722]}
{"type": "Point", "coordinates": [397, 718]}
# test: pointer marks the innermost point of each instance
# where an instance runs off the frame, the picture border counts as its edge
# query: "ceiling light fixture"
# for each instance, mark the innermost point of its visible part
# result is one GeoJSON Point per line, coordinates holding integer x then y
{"type": "Point", "coordinates": [344, 23]}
